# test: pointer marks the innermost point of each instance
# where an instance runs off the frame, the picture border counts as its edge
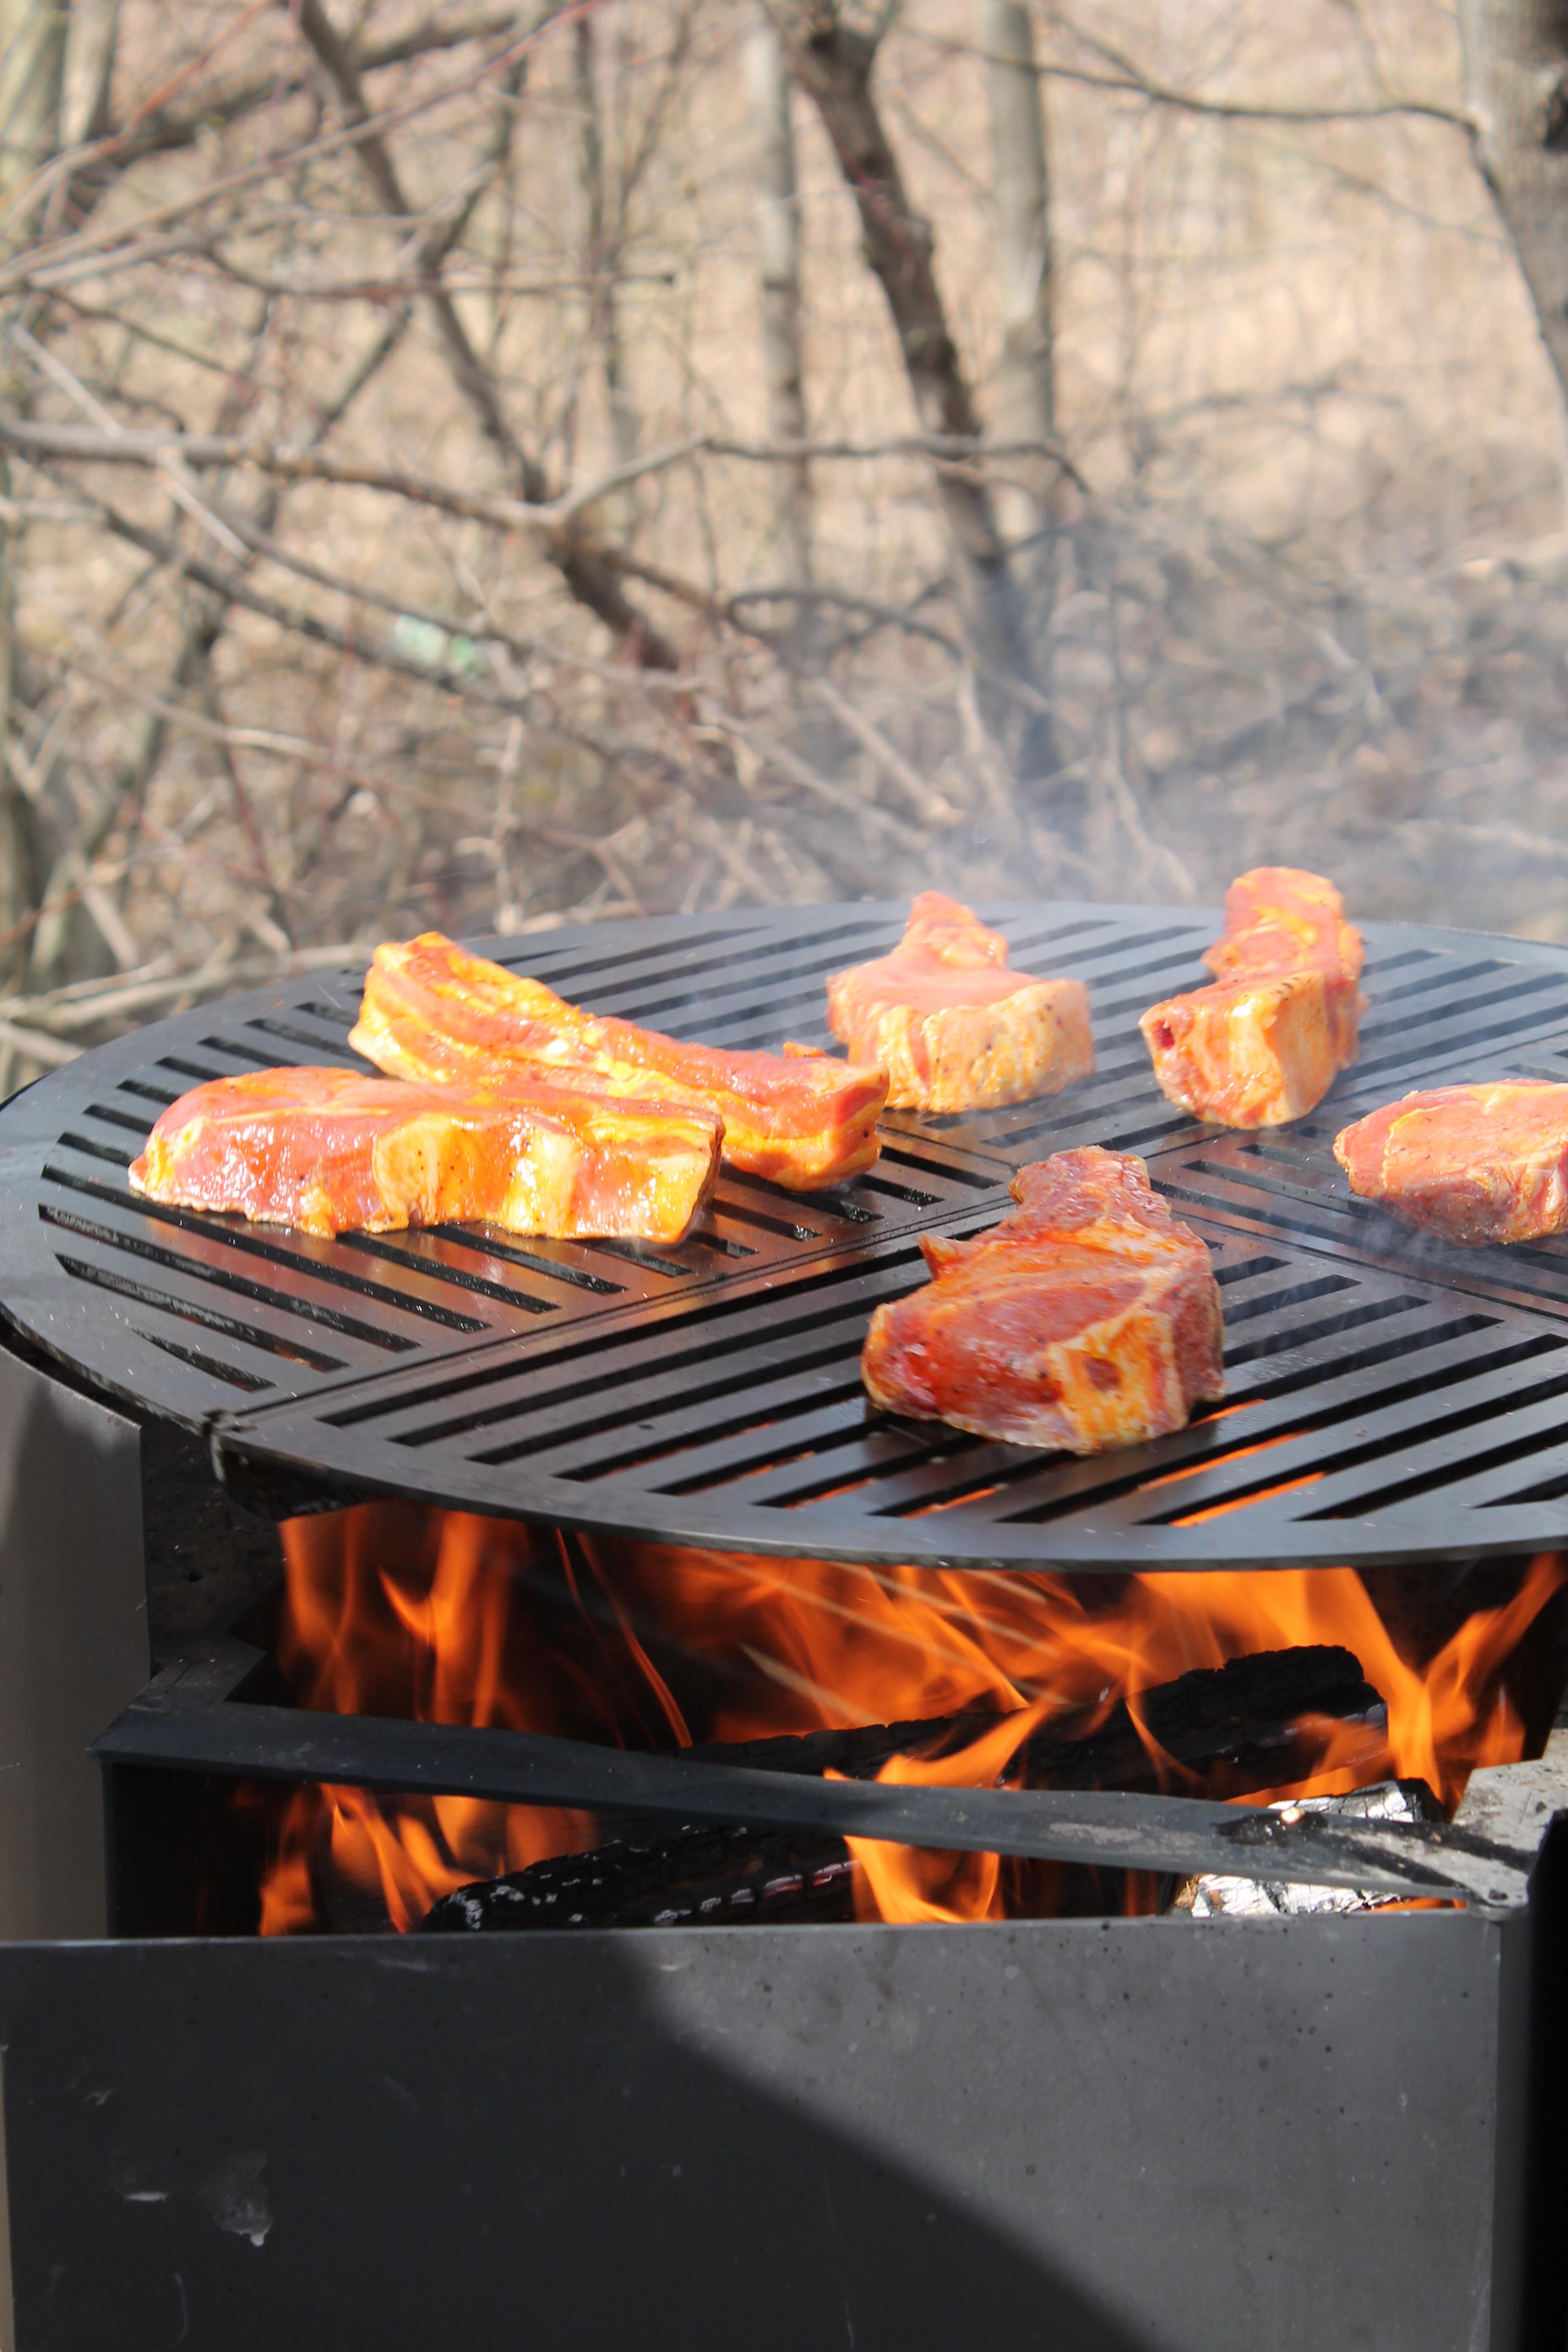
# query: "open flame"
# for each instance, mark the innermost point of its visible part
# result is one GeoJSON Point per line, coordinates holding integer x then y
{"type": "Point", "coordinates": [393, 1609]}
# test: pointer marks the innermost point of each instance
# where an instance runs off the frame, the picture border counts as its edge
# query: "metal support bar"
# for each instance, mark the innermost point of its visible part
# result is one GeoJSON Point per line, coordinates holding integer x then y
{"type": "Point", "coordinates": [184, 1730]}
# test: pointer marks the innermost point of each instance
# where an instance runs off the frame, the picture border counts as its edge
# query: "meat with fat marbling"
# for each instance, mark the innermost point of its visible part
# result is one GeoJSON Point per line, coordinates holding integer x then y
{"type": "Point", "coordinates": [951, 1025]}
{"type": "Point", "coordinates": [432, 1011]}
{"type": "Point", "coordinates": [1265, 1040]}
{"type": "Point", "coordinates": [1471, 1163]}
{"type": "Point", "coordinates": [1089, 1319]}
{"type": "Point", "coordinates": [333, 1151]}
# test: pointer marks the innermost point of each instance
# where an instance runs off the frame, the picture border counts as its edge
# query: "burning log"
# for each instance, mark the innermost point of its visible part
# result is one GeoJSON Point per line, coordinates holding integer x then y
{"type": "Point", "coordinates": [694, 1876]}
{"type": "Point", "coordinates": [1236, 1727]}
{"type": "Point", "coordinates": [1239, 1727]}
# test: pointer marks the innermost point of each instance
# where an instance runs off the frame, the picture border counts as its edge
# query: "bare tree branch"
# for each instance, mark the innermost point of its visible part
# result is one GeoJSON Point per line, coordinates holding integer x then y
{"type": "Point", "coordinates": [578, 559]}
{"type": "Point", "coordinates": [1134, 81]}
{"type": "Point", "coordinates": [833, 62]}
{"type": "Point", "coordinates": [778, 239]}
{"type": "Point", "coordinates": [1516, 77]}
{"type": "Point", "coordinates": [305, 464]}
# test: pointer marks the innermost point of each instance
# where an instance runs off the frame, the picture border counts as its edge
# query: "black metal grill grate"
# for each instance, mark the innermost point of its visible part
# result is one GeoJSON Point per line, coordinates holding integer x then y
{"type": "Point", "coordinates": [1388, 1398]}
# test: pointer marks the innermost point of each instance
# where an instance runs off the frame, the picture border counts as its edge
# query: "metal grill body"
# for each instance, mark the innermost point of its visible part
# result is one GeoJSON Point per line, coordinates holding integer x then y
{"type": "Point", "coordinates": [1308, 2131]}
{"type": "Point", "coordinates": [1390, 1398]}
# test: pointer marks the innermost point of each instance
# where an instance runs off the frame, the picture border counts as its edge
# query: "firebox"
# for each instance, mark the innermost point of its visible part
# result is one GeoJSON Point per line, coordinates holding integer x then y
{"type": "Point", "coordinates": [531, 1810]}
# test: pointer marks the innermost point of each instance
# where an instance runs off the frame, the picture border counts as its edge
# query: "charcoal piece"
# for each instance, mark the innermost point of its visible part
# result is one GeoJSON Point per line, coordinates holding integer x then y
{"type": "Point", "coordinates": [1238, 1718]}
{"type": "Point", "coordinates": [1237, 1726]}
{"type": "Point", "coordinates": [694, 1876]}
{"type": "Point", "coordinates": [1235, 1722]}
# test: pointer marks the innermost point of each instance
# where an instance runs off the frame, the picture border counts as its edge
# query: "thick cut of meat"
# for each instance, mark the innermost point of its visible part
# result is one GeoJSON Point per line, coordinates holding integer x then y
{"type": "Point", "coordinates": [1267, 1040]}
{"type": "Point", "coordinates": [333, 1151]}
{"type": "Point", "coordinates": [431, 1011]}
{"type": "Point", "coordinates": [952, 1027]}
{"type": "Point", "coordinates": [1473, 1164]}
{"type": "Point", "coordinates": [1089, 1319]}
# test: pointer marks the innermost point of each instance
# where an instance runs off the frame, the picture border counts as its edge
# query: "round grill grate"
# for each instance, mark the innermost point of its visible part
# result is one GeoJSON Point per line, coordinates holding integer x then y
{"type": "Point", "coordinates": [1389, 1399]}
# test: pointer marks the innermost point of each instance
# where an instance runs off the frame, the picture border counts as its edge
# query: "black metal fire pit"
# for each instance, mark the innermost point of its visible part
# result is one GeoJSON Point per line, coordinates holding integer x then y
{"type": "Point", "coordinates": [999, 2088]}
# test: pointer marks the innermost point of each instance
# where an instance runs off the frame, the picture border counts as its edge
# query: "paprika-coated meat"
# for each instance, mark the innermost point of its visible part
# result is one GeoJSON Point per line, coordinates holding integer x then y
{"type": "Point", "coordinates": [333, 1152]}
{"type": "Point", "coordinates": [951, 1025]}
{"type": "Point", "coordinates": [1264, 1042]}
{"type": "Point", "coordinates": [433, 1011]}
{"type": "Point", "coordinates": [1089, 1319]}
{"type": "Point", "coordinates": [1471, 1163]}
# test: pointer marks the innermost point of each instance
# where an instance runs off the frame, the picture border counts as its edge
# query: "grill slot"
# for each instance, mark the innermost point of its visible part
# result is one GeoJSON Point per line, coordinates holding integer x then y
{"type": "Point", "coordinates": [210, 1233]}
{"type": "Point", "coordinates": [1303, 1335]}
{"type": "Point", "coordinates": [462, 1237]}
{"type": "Point", "coordinates": [635, 1254]}
{"type": "Point", "coordinates": [238, 1285]}
{"type": "Point", "coordinates": [190, 1311]}
{"type": "Point", "coordinates": [231, 1375]}
{"type": "Point", "coordinates": [618, 1421]}
{"type": "Point", "coordinates": [136, 1127]}
{"type": "Point", "coordinates": [104, 1152]}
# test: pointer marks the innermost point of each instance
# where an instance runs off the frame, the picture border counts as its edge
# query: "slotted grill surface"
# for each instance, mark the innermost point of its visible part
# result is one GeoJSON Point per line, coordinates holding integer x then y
{"type": "Point", "coordinates": [1389, 1399]}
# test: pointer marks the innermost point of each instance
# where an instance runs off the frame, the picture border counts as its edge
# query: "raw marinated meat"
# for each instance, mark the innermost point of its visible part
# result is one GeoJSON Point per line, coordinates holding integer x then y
{"type": "Point", "coordinates": [1266, 1041]}
{"type": "Point", "coordinates": [952, 1027]}
{"type": "Point", "coordinates": [431, 1011]}
{"type": "Point", "coordinates": [1089, 1319]}
{"type": "Point", "coordinates": [333, 1152]}
{"type": "Point", "coordinates": [1473, 1164]}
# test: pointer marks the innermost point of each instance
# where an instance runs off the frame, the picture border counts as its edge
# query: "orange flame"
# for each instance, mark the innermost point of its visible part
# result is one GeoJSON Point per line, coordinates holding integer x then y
{"type": "Point", "coordinates": [395, 1609]}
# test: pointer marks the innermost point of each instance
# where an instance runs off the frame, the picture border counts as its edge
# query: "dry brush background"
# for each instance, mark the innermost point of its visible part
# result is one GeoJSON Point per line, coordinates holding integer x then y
{"type": "Point", "coordinates": [446, 483]}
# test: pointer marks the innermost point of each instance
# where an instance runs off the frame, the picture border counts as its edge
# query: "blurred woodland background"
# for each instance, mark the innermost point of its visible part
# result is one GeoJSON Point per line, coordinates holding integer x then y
{"type": "Point", "coordinates": [489, 467]}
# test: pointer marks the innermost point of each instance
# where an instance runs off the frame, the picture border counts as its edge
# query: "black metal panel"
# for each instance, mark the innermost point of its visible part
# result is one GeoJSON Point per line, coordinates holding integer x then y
{"type": "Point", "coordinates": [73, 1640]}
{"type": "Point", "coordinates": [1388, 1400]}
{"type": "Point", "coordinates": [1097, 2135]}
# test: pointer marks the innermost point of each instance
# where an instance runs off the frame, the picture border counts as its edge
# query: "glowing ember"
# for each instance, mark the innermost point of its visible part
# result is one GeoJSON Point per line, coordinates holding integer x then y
{"type": "Point", "coordinates": [395, 1609]}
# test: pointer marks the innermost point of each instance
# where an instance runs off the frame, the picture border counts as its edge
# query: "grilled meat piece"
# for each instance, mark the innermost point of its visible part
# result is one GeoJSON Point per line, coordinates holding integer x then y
{"type": "Point", "coordinates": [952, 1027]}
{"type": "Point", "coordinates": [1472, 1164]}
{"type": "Point", "coordinates": [431, 1011]}
{"type": "Point", "coordinates": [1266, 1041]}
{"type": "Point", "coordinates": [333, 1151]}
{"type": "Point", "coordinates": [1089, 1319]}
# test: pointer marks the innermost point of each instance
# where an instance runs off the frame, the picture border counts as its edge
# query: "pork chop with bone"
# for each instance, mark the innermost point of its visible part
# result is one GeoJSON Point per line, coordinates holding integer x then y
{"type": "Point", "coordinates": [1265, 1040]}
{"type": "Point", "coordinates": [1089, 1319]}
{"type": "Point", "coordinates": [953, 1027]}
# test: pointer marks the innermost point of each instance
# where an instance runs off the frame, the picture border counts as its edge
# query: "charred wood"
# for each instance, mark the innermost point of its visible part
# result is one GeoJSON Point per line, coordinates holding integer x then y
{"type": "Point", "coordinates": [1236, 1726]}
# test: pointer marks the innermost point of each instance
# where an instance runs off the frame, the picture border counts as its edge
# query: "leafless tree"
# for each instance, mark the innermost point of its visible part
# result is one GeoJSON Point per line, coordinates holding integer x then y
{"type": "Point", "coordinates": [778, 244]}
{"type": "Point", "coordinates": [1516, 85]}
{"type": "Point", "coordinates": [833, 55]}
{"type": "Point", "coordinates": [31, 75]}
{"type": "Point", "coordinates": [1025, 271]}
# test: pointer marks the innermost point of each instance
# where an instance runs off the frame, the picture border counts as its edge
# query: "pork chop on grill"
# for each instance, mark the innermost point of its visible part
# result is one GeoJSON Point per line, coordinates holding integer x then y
{"type": "Point", "coordinates": [1472, 1164]}
{"type": "Point", "coordinates": [951, 1025]}
{"type": "Point", "coordinates": [433, 1013]}
{"type": "Point", "coordinates": [333, 1151]}
{"type": "Point", "coordinates": [1264, 1042]}
{"type": "Point", "coordinates": [1090, 1320]}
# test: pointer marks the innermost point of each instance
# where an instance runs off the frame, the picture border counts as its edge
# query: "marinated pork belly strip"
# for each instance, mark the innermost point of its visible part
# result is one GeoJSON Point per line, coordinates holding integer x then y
{"type": "Point", "coordinates": [433, 1013]}
{"type": "Point", "coordinates": [1472, 1164]}
{"type": "Point", "coordinates": [952, 1027]}
{"type": "Point", "coordinates": [1090, 1320]}
{"type": "Point", "coordinates": [333, 1151]}
{"type": "Point", "coordinates": [1266, 1041]}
